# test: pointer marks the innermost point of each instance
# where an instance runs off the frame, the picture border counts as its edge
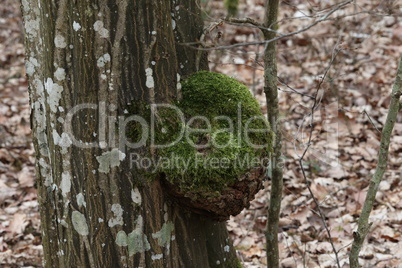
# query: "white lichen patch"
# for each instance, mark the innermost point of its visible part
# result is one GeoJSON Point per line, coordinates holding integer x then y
{"type": "Point", "coordinates": [103, 60]}
{"type": "Point", "coordinates": [136, 196]}
{"type": "Point", "coordinates": [226, 248]}
{"type": "Point", "coordinates": [98, 27]}
{"type": "Point", "coordinates": [64, 141]}
{"type": "Point", "coordinates": [178, 85]}
{"type": "Point", "coordinates": [118, 216]}
{"type": "Point", "coordinates": [121, 239]}
{"type": "Point", "coordinates": [76, 26]}
{"type": "Point", "coordinates": [150, 83]}
{"type": "Point", "coordinates": [59, 41]}
{"type": "Point", "coordinates": [30, 65]}
{"type": "Point", "coordinates": [164, 235]}
{"type": "Point", "coordinates": [25, 5]}
{"type": "Point", "coordinates": [65, 184]}
{"type": "Point", "coordinates": [40, 89]}
{"type": "Point", "coordinates": [110, 159]}
{"type": "Point", "coordinates": [60, 74]}
{"type": "Point", "coordinates": [31, 28]}
{"type": "Point", "coordinates": [137, 241]}
{"type": "Point", "coordinates": [64, 223]}
{"type": "Point", "coordinates": [165, 216]}
{"type": "Point", "coordinates": [56, 137]}
{"type": "Point", "coordinates": [45, 172]}
{"type": "Point", "coordinates": [102, 144]}
{"type": "Point", "coordinates": [54, 94]}
{"type": "Point", "coordinates": [100, 220]}
{"type": "Point", "coordinates": [81, 200]}
{"type": "Point", "coordinates": [155, 257]}
{"type": "Point", "coordinates": [79, 223]}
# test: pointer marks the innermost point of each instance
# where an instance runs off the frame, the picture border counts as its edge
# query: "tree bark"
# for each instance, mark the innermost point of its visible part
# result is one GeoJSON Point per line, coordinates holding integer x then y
{"type": "Point", "coordinates": [363, 226]}
{"type": "Point", "coordinates": [271, 92]}
{"type": "Point", "coordinates": [102, 56]}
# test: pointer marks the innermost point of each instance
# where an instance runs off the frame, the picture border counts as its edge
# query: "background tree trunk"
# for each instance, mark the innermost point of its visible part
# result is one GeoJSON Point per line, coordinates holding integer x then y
{"type": "Point", "coordinates": [271, 92]}
{"type": "Point", "coordinates": [96, 211]}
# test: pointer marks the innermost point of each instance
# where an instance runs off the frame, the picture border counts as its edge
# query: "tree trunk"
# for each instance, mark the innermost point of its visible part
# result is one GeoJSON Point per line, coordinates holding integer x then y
{"type": "Point", "coordinates": [87, 61]}
{"type": "Point", "coordinates": [271, 91]}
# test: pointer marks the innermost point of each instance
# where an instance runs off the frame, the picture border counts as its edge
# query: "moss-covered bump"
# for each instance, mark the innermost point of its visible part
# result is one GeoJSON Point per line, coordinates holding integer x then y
{"type": "Point", "coordinates": [210, 160]}
{"type": "Point", "coordinates": [216, 150]}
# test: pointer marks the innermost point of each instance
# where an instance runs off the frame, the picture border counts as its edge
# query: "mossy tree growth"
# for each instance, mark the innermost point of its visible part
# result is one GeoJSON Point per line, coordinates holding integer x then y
{"type": "Point", "coordinates": [216, 143]}
{"type": "Point", "coordinates": [229, 108]}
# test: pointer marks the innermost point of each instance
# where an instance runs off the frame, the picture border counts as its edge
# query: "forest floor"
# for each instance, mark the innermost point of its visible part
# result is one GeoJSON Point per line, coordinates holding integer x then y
{"type": "Point", "coordinates": [350, 61]}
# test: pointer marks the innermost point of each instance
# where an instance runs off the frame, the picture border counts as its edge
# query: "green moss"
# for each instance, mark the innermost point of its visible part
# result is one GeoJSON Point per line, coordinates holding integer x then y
{"type": "Point", "coordinates": [214, 151]}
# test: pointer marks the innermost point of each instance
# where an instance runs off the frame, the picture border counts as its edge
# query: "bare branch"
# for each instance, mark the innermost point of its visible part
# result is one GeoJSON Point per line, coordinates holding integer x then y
{"type": "Point", "coordinates": [281, 36]}
{"type": "Point", "coordinates": [363, 224]}
{"type": "Point", "coordinates": [293, 90]}
{"type": "Point", "coordinates": [365, 113]}
{"type": "Point", "coordinates": [315, 105]}
{"type": "Point", "coordinates": [271, 94]}
{"type": "Point", "coordinates": [243, 21]}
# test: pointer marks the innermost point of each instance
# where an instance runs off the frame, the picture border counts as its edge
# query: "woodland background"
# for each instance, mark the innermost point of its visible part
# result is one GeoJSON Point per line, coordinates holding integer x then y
{"type": "Point", "coordinates": [359, 46]}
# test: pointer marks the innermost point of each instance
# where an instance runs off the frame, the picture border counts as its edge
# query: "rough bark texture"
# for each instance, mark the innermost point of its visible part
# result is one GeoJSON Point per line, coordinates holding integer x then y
{"type": "Point", "coordinates": [96, 211]}
{"type": "Point", "coordinates": [271, 91]}
{"type": "Point", "coordinates": [231, 200]}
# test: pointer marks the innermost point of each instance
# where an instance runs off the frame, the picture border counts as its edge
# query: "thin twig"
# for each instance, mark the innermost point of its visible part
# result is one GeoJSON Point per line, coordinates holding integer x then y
{"type": "Point", "coordinates": [207, 30]}
{"type": "Point", "coordinates": [363, 224]}
{"type": "Point", "coordinates": [243, 21]}
{"type": "Point", "coordinates": [271, 92]}
{"type": "Point", "coordinates": [293, 90]}
{"type": "Point", "coordinates": [363, 112]}
{"type": "Point", "coordinates": [313, 109]}
{"type": "Point", "coordinates": [281, 36]}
